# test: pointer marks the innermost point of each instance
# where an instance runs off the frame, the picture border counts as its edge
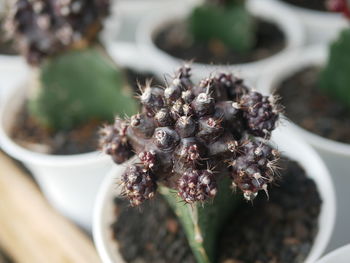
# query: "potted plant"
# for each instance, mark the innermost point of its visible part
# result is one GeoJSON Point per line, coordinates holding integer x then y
{"type": "Point", "coordinates": [193, 144]}
{"type": "Point", "coordinates": [313, 86]}
{"type": "Point", "coordinates": [50, 120]}
{"type": "Point", "coordinates": [321, 26]}
{"type": "Point", "coordinates": [120, 27]}
{"type": "Point", "coordinates": [246, 36]}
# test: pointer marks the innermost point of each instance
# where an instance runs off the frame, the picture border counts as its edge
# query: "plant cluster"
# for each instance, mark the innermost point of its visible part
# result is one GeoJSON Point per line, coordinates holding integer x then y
{"type": "Point", "coordinates": [189, 136]}
{"type": "Point", "coordinates": [47, 27]}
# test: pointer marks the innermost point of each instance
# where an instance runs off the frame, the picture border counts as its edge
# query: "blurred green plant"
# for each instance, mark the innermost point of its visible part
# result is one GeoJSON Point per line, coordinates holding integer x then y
{"type": "Point", "coordinates": [335, 77]}
{"type": "Point", "coordinates": [225, 20]}
{"type": "Point", "coordinates": [78, 86]}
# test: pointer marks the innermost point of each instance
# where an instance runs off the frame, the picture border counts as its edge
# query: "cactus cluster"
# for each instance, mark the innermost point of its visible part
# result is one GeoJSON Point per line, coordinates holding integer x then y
{"type": "Point", "coordinates": [188, 136]}
{"type": "Point", "coordinates": [47, 27]}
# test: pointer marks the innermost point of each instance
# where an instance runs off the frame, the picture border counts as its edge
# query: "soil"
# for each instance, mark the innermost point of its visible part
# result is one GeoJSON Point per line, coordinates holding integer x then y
{"type": "Point", "coordinates": [314, 111]}
{"type": "Point", "coordinates": [175, 40]}
{"type": "Point", "coordinates": [29, 134]}
{"type": "Point", "coordinates": [318, 5]}
{"type": "Point", "coordinates": [281, 229]}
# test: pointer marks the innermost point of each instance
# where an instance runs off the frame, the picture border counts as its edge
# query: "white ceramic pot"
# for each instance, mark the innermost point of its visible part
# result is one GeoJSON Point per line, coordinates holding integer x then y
{"type": "Point", "coordinates": [340, 255]}
{"type": "Point", "coordinates": [335, 154]}
{"type": "Point", "coordinates": [119, 31]}
{"type": "Point", "coordinates": [11, 67]}
{"type": "Point", "coordinates": [161, 62]}
{"type": "Point", "coordinates": [320, 26]}
{"type": "Point", "coordinates": [288, 143]}
{"type": "Point", "coordinates": [7, 62]}
{"type": "Point", "coordinates": [70, 182]}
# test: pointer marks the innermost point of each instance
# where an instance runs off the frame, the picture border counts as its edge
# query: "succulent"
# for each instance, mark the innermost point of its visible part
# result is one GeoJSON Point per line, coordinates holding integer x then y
{"type": "Point", "coordinates": [186, 133]}
{"type": "Point", "coordinates": [224, 21]}
{"type": "Point", "coordinates": [195, 143]}
{"type": "Point", "coordinates": [47, 27]}
{"type": "Point", "coordinates": [75, 75]}
{"type": "Point", "coordinates": [334, 79]}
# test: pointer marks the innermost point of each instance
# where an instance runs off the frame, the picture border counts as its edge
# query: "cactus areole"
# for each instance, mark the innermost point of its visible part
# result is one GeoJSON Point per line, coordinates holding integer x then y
{"type": "Point", "coordinates": [189, 136]}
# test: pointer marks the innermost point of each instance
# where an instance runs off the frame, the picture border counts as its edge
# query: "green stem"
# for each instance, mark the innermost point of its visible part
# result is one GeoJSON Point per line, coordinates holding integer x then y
{"type": "Point", "coordinates": [203, 222]}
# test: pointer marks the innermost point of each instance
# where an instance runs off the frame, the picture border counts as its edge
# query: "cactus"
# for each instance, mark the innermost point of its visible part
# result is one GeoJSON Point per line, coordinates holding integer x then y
{"type": "Point", "coordinates": [335, 77]}
{"type": "Point", "coordinates": [77, 82]}
{"type": "Point", "coordinates": [195, 143]}
{"type": "Point", "coordinates": [225, 20]}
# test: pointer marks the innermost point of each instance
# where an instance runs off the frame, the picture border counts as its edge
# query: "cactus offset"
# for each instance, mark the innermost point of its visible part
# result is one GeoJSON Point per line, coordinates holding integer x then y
{"type": "Point", "coordinates": [77, 81]}
{"type": "Point", "coordinates": [226, 21]}
{"type": "Point", "coordinates": [196, 147]}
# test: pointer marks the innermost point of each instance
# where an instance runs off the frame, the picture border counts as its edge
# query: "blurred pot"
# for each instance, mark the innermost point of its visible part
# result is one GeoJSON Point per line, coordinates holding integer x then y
{"type": "Point", "coordinates": [320, 26]}
{"type": "Point", "coordinates": [160, 61]}
{"type": "Point", "coordinates": [335, 154]}
{"type": "Point", "coordinates": [70, 183]}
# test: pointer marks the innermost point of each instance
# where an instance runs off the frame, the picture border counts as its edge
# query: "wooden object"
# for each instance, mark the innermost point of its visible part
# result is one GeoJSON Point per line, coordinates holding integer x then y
{"type": "Point", "coordinates": [30, 230]}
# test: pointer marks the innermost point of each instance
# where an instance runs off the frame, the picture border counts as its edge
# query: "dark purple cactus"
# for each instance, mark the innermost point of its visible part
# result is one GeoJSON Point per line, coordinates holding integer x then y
{"type": "Point", "coordinates": [46, 27]}
{"type": "Point", "coordinates": [189, 136]}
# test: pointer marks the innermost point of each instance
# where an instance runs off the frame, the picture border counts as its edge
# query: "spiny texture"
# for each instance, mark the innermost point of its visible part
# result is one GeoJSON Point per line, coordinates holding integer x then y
{"type": "Point", "coordinates": [189, 136]}
{"type": "Point", "coordinates": [341, 6]}
{"type": "Point", "coordinates": [45, 27]}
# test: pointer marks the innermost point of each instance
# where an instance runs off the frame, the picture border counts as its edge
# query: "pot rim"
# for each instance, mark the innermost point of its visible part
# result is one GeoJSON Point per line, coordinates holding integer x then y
{"type": "Point", "coordinates": [266, 9]}
{"type": "Point", "coordinates": [332, 256]}
{"type": "Point", "coordinates": [103, 211]}
{"type": "Point", "coordinates": [314, 55]}
{"type": "Point", "coordinates": [25, 155]}
{"type": "Point", "coordinates": [315, 14]}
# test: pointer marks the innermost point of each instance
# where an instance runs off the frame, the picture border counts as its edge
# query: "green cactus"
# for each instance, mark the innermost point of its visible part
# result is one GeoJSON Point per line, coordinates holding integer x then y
{"type": "Point", "coordinates": [203, 222]}
{"type": "Point", "coordinates": [335, 77]}
{"type": "Point", "coordinates": [226, 21]}
{"type": "Point", "coordinates": [78, 86]}
{"type": "Point", "coordinates": [77, 81]}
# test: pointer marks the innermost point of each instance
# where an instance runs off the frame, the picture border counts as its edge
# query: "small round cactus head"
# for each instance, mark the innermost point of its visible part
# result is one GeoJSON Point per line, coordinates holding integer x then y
{"type": "Point", "coordinates": [341, 6]}
{"type": "Point", "coordinates": [189, 136]}
{"type": "Point", "coordinates": [46, 27]}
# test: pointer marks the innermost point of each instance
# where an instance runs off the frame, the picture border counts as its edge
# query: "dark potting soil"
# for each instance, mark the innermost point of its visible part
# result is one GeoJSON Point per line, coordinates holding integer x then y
{"type": "Point", "coordinates": [310, 108]}
{"type": "Point", "coordinates": [29, 134]}
{"type": "Point", "coordinates": [318, 5]}
{"type": "Point", "coordinates": [175, 40]}
{"type": "Point", "coordinates": [278, 230]}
